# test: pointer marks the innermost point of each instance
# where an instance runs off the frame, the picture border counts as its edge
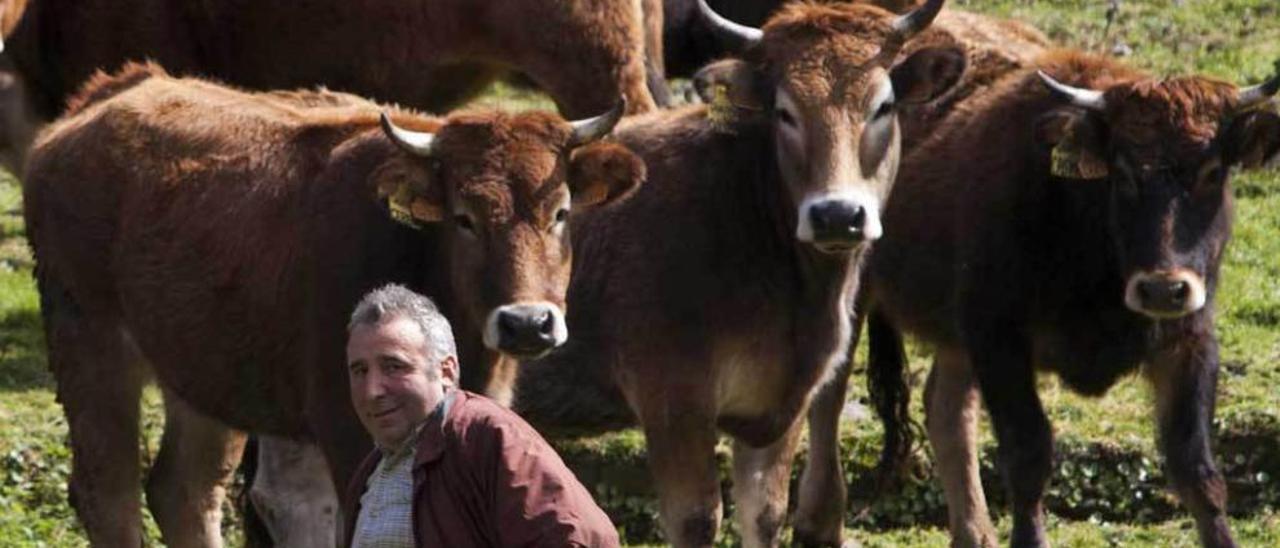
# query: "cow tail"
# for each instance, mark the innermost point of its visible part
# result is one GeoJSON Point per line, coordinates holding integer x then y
{"type": "Point", "coordinates": [890, 394]}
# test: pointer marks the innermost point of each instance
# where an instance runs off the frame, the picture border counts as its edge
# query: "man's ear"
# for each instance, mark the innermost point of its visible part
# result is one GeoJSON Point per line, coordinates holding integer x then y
{"type": "Point", "coordinates": [449, 371]}
{"type": "Point", "coordinates": [603, 173]}
{"type": "Point", "coordinates": [410, 191]}
{"type": "Point", "coordinates": [927, 74]}
{"type": "Point", "coordinates": [1253, 139]}
{"type": "Point", "coordinates": [1075, 142]}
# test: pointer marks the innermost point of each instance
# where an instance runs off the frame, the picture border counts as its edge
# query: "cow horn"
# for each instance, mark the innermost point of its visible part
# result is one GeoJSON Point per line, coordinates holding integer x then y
{"type": "Point", "coordinates": [1087, 99]}
{"type": "Point", "coordinates": [1255, 95]}
{"type": "Point", "coordinates": [918, 19]}
{"type": "Point", "coordinates": [417, 143]}
{"type": "Point", "coordinates": [735, 37]}
{"type": "Point", "coordinates": [590, 129]}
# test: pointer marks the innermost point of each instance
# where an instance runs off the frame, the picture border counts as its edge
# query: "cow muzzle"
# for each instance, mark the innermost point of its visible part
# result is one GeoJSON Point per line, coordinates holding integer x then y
{"type": "Point", "coordinates": [835, 224]}
{"type": "Point", "coordinates": [525, 330]}
{"type": "Point", "coordinates": [1165, 294]}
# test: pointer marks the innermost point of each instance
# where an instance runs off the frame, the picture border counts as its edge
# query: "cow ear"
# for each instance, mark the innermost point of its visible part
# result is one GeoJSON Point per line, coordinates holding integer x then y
{"type": "Point", "coordinates": [1253, 139]}
{"type": "Point", "coordinates": [927, 74]}
{"type": "Point", "coordinates": [731, 91]}
{"type": "Point", "coordinates": [410, 191]}
{"type": "Point", "coordinates": [1074, 142]}
{"type": "Point", "coordinates": [603, 173]}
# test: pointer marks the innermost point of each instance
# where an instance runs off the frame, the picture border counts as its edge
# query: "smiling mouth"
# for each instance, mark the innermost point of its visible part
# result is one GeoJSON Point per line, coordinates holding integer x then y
{"type": "Point", "coordinates": [384, 413]}
{"type": "Point", "coordinates": [837, 247]}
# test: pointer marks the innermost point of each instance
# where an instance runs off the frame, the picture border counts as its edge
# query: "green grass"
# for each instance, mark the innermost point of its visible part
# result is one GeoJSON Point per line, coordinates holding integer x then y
{"type": "Point", "coordinates": [1106, 444]}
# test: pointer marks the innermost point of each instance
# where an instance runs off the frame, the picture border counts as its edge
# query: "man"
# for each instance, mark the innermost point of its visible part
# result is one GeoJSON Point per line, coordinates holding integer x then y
{"type": "Point", "coordinates": [451, 468]}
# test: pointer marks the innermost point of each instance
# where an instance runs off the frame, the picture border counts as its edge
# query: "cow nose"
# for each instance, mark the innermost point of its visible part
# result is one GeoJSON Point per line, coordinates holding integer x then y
{"type": "Point", "coordinates": [1164, 295]}
{"type": "Point", "coordinates": [526, 330]}
{"type": "Point", "coordinates": [837, 222]}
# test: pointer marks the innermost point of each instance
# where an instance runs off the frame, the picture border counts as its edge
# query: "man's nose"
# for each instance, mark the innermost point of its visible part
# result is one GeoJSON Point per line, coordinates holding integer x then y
{"type": "Point", "coordinates": [372, 385]}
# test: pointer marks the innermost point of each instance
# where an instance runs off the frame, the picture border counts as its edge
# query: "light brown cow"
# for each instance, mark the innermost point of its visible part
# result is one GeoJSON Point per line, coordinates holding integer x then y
{"type": "Point", "coordinates": [994, 48]}
{"type": "Point", "coordinates": [427, 54]}
{"type": "Point", "coordinates": [718, 296]}
{"type": "Point", "coordinates": [217, 239]}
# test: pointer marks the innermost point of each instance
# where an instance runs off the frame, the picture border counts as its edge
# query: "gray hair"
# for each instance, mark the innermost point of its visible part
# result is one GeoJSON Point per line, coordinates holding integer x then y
{"type": "Point", "coordinates": [394, 300]}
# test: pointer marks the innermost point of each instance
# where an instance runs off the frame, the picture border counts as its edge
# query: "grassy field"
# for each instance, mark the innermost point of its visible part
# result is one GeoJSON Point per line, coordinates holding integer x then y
{"type": "Point", "coordinates": [1107, 489]}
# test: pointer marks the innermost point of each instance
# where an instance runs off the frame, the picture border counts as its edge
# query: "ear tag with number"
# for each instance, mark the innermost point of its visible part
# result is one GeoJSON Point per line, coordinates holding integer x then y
{"type": "Point", "coordinates": [400, 204]}
{"type": "Point", "coordinates": [1069, 160]}
{"type": "Point", "coordinates": [721, 112]}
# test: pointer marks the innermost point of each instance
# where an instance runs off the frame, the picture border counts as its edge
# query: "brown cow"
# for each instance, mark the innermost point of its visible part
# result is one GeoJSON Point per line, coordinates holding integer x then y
{"type": "Point", "coordinates": [994, 48]}
{"type": "Point", "coordinates": [1077, 230]}
{"type": "Point", "coordinates": [428, 54]}
{"type": "Point", "coordinates": [717, 297]}
{"type": "Point", "coordinates": [220, 237]}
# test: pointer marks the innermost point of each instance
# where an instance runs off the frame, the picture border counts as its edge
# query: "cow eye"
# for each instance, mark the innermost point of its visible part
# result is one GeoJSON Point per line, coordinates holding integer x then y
{"type": "Point", "coordinates": [562, 214]}
{"type": "Point", "coordinates": [464, 223]}
{"type": "Point", "coordinates": [886, 108]}
{"type": "Point", "coordinates": [1124, 181]}
{"type": "Point", "coordinates": [786, 118]}
{"type": "Point", "coordinates": [1211, 173]}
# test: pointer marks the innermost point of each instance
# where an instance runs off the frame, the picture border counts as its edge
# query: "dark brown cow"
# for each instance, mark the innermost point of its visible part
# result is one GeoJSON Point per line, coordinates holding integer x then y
{"type": "Point", "coordinates": [717, 297]}
{"type": "Point", "coordinates": [428, 54]}
{"type": "Point", "coordinates": [221, 237]}
{"type": "Point", "coordinates": [1076, 228]}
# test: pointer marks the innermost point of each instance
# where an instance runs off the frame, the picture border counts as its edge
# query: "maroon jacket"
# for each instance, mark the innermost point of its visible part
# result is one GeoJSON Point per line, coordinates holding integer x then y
{"type": "Point", "coordinates": [484, 477]}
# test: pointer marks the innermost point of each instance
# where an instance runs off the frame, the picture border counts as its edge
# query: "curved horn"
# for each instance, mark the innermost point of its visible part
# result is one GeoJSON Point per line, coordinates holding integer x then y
{"type": "Point", "coordinates": [414, 142]}
{"type": "Point", "coordinates": [918, 19]}
{"type": "Point", "coordinates": [1084, 98]}
{"type": "Point", "coordinates": [590, 129]}
{"type": "Point", "coordinates": [1256, 95]}
{"type": "Point", "coordinates": [735, 37]}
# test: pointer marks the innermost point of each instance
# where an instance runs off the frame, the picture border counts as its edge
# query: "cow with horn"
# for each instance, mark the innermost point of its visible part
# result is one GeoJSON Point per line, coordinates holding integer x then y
{"type": "Point", "coordinates": [218, 239]}
{"type": "Point", "coordinates": [718, 297]}
{"type": "Point", "coordinates": [1072, 221]}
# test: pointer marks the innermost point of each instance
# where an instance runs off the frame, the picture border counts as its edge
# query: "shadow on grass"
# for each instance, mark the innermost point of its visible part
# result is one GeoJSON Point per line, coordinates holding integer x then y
{"type": "Point", "coordinates": [23, 363]}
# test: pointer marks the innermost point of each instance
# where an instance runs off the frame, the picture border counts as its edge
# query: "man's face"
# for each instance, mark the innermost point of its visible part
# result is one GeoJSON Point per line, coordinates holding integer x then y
{"type": "Point", "coordinates": [394, 385]}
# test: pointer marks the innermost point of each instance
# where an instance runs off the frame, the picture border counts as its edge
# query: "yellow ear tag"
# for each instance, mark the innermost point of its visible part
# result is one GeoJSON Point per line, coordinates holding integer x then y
{"type": "Point", "coordinates": [400, 204]}
{"type": "Point", "coordinates": [721, 112]}
{"type": "Point", "coordinates": [1070, 161]}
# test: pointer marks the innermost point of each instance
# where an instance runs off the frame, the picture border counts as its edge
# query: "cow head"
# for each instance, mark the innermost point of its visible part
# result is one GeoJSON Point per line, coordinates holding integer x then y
{"type": "Point", "coordinates": [827, 78]}
{"type": "Point", "coordinates": [501, 188]}
{"type": "Point", "coordinates": [1166, 148]}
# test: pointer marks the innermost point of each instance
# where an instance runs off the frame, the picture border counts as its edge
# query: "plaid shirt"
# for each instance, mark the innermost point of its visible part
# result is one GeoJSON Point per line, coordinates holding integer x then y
{"type": "Point", "coordinates": [386, 509]}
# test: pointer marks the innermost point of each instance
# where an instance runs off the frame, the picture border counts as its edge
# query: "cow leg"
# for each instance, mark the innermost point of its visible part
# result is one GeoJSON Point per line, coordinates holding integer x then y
{"type": "Point", "coordinates": [951, 416]}
{"type": "Point", "coordinates": [188, 482]}
{"type": "Point", "coordinates": [819, 516]}
{"type": "Point", "coordinates": [1186, 387]}
{"type": "Point", "coordinates": [293, 493]}
{"type": "Point", "coordinates": [1002, 362]}
{"type": "Point", "coordinates": [682, 458]}
{"type": "Point", "coordinates": [761, 478]}
{"type": "Point", "coordinates": [99, 389]}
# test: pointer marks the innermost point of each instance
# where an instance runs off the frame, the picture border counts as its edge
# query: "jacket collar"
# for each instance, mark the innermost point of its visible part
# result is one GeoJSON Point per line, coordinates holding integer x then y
{"type": "Point", "coordinates": [431, 439]}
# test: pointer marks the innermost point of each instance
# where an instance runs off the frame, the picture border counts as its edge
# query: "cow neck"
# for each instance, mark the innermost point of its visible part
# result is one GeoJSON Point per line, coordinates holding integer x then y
{"type": "Point", "coordinates": [825, 284]}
